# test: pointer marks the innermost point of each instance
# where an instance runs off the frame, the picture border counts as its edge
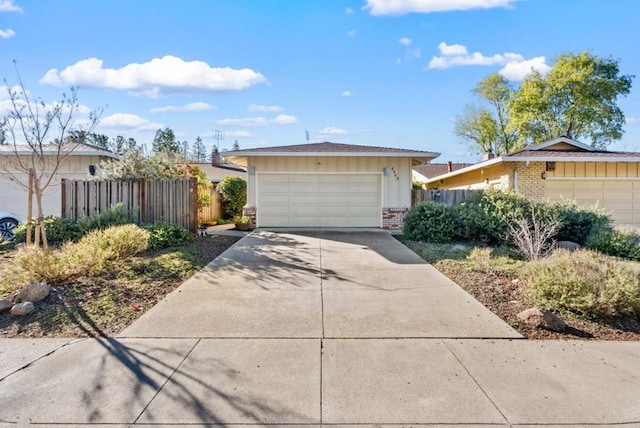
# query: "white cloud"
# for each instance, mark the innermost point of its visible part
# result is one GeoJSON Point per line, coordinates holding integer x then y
{"type": "Point", "coordinates": [454, 49]}
{"type": "Point", "coordinates": [197, 106]}
{"type": "Point", "coordinates": [332, 130]}
{"type": "Point", "coordinates": [9, 6]}
{"type": "Point", "coordinates": [7, 106]}
{"type": "Point", "coordinates": [345, 94]}
{"type": "Point", "coordinates": [518, 70]}
{"type": "Point", "coordinates": [284, 119]}
{"type": "Point", "coordinates": [631, 120]}
{"type": "Point", "coordinates": [7, 34]}
{"type": "Point", "coordinates": [405, 41]}
{"type": "Point", "coordinates": [238, 134]}
{"type": "Point", "coordinates": [264, 109]}
{"type": "Point", "coordinates": [351, 33]}
{"type": "Point", "coordinates": [348, 10]}
{"type": "Point", "coordinates": [396, 7]}
{"type": "Point", "coordinates": [129, 122]}
{"type": "Point", "coordinates": [168, 74]}
{"type": "Point", "coordinates": [247, 121]}
{"type": "Point", "coordinates": [516, 67]}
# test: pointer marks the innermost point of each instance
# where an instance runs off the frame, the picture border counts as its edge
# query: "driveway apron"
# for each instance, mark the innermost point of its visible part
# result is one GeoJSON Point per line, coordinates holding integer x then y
{"type": "Point", "coordinates": [319, 284]}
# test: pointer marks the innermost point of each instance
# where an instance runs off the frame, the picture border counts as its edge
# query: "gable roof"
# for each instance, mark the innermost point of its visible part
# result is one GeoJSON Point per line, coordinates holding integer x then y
{"type": "Point", "coordinates": [433, 169]}
{"type": "Point", "coordinates": [80, 150]}
{"type": "Point", "coordinates": [567, 150]}
{"type": "Point", "coordinates": [329, 149]}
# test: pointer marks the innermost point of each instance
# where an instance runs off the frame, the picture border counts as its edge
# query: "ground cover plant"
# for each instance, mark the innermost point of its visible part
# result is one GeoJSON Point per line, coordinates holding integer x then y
{"type": "Point", "coordinates": [502, 252]}
{"type": "Point", "coordinates": [104, 280]}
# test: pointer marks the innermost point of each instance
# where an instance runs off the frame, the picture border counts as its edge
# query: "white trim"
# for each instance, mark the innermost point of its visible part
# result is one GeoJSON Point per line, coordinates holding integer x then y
{"type": "Point", "coordinates": [570, 159]}
{"type": "Point", "coordinates": [428, 155]}
{"type": "Point", "coordinates": [593, 178]}
{"type": "Point", "coordinates": [490, 162]}
{"type": "Point", "coordinates": [566, 140]}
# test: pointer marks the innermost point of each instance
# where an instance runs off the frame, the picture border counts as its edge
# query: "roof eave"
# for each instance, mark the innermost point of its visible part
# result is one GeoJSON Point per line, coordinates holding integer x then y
{"type": "Point", "coordinates": [485, 164]}
{"type": "Point", "coordinates": [426, 155]}
{"type": "Point", "coordinates": [571, 159]}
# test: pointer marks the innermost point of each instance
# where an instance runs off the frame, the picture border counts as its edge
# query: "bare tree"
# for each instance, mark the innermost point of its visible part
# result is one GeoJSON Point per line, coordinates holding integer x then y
{"type": "Point", "coordinates": [533, 236]}
{"type": "Point", "coordinates": [37, 135]}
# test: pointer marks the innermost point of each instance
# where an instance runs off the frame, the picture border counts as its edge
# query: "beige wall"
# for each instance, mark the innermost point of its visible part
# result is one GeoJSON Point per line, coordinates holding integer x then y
{"type": "Point", "coordinates": [480, 178]}
{"type": "Point", "coordinates": [396, 187]}
{"type": "Point", "coordinates": [13, 197]}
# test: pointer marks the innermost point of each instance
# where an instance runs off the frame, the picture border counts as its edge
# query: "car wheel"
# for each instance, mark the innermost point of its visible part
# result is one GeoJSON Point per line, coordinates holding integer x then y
{"type": "Point", "coordinates": [7, 228]}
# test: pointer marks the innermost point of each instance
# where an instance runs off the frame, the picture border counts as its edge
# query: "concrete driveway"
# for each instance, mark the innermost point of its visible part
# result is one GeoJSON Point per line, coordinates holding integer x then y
{"type": "Point", "coordinates": [319, 328]}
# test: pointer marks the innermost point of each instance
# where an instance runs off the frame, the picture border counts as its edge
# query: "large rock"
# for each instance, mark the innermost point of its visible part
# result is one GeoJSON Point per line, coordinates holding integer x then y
{"type": "Point", "coordinates": [33, 292]}
{"type": "Point", "coordinates": [5, 305]}
{"type": "Point", "coordinates": [542, 318]}
{"type": "Point", "coordinates": [20, 309]}
{"type": "Point", "coordinates": [568, 245]}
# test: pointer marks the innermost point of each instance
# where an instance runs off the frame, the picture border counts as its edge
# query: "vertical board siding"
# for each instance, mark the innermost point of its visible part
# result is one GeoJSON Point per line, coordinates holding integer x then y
{"type": "Point", "coordinates": [443, 196]}
{"type": "Point", "coordinates": [148, 201]}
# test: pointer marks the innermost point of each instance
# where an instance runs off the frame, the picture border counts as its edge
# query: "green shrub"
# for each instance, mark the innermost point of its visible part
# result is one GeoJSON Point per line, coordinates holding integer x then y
{"type": "Point", "coordinates": [431, 222]}
{"type": "Point", "coordinates": [617, 243]}
{"type": "Point", "coordinates": [114, 216]}
{"type": "Point", "coordinates": [578, 222]}
{"type": "Point", "coordinates": [584, 282]}
{"type": "Point", "coordinates": [234, 195]}
{"type": "Point", "coordinates": [117, 241]}
{"type": "Point", "coordinates": [166, 235]}
{"type": "Point", "coordinates": [59, 230]}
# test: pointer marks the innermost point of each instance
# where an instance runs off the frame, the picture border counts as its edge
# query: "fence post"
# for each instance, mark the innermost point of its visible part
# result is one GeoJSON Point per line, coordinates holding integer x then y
{"type": "Point", "coordinates": [193, 191]}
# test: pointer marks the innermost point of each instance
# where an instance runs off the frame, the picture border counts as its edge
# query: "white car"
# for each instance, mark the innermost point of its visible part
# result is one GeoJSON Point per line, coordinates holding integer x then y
{"type": "Point", "coordinates": [8, 223]}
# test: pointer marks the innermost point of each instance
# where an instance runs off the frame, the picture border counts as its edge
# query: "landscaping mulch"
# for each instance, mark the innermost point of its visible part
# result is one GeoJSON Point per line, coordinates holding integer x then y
{"type": "Point", "coordinates": [104, 306]}
{"type": "Point", "coordinates": [504, 296]}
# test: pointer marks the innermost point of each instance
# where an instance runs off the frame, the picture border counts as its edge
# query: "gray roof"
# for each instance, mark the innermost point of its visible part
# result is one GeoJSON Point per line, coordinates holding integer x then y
{"type": "Point", "coordinates": [79, 150]}
{"type": "Point", "coordinates": [330, 149]}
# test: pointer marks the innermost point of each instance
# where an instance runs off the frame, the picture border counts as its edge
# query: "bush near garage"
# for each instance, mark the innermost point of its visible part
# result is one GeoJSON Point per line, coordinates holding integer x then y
{"type": "Point", "coordinates": [486, 219]}
{"type": "Point", "coordinates": [167, 235]}
{"type": "Point", "coordinates": [234, 195]}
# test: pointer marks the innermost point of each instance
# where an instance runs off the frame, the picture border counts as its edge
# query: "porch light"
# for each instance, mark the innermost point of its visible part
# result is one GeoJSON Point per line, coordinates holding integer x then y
{"type": "Point", "coordinates": [252, 170]}
{"type": "Point", "coordinates": [385, 171]}
{"type": "Point", "coordinates": [543, 175]}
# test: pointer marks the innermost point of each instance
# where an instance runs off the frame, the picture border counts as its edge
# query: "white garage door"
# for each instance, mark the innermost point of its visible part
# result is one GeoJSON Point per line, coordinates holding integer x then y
{"type": "Point", "coordinates": [621, 198]}
{"type": "Point", "coordinates": [331, 200]}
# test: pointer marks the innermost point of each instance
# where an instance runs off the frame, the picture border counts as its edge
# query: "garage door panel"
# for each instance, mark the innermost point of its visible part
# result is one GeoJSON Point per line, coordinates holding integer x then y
{"type": "Point", "coordinates": [319, 200]}
{"type": "Point", "coordinates": [620, 198]}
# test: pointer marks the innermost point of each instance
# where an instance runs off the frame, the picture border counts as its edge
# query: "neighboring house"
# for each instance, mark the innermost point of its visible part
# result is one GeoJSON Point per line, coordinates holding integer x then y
{"type": "Point", "coordinates": [215, 173]}
{"type": "Point", "coordinates": [556, 170]}
{"type": "Point", "coordinates": [76, 165]}
{"type": "Point", "coordinates": [424, 172]}
{"type": "Point", "coordinates": [329, 184]}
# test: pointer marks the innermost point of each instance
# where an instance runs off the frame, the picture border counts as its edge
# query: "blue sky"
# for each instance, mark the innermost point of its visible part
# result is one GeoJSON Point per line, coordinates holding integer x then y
{"type": "Point", "coordinates": [388, 73]}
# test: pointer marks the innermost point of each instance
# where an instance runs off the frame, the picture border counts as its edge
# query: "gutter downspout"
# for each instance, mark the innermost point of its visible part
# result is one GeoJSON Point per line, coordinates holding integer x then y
{"type": "Point", "coordinates": [515, 175]}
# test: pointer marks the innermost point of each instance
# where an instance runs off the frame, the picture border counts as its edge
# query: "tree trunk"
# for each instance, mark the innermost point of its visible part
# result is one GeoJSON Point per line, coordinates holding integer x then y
{"type": "Point", "coordinates": [40, 228]}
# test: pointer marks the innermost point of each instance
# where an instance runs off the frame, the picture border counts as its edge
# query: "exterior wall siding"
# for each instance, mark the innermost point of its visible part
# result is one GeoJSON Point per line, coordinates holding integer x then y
{"type": "Point", "coordinates": [13, 197]}
{"type": "Point", "coordinates": [396, 184]}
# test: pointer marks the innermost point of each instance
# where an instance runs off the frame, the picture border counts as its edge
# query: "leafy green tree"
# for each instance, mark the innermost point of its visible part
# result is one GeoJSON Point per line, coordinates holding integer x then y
{"type": "Point", "coordinates": [487, 130]}
{"type": "Point", "coordinates": [165, 142]}
{"type": "Point", "coordinates": [477, 127]}
{"type": "Point", "coordinates": [234, 195]}
{"type": "Point", "coordinates": [198, 151]}
{"type": "Point", "coordinates": [576, 99]}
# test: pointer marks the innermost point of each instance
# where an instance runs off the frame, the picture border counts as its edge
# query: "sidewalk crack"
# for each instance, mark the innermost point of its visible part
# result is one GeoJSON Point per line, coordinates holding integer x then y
{"type": "Point", "coordinates": [477, 383]}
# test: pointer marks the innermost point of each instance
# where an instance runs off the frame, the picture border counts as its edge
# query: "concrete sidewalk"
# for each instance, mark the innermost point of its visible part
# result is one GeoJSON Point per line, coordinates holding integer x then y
{"type": "Point", "coordinates": [319, 328]}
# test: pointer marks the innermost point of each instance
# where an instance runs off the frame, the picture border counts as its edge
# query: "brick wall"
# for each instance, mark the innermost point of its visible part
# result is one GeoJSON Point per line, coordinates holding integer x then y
{"type": "Point", "coordinates": [393, 218]}
{"type": "Point", "coordinates": [530, 182]}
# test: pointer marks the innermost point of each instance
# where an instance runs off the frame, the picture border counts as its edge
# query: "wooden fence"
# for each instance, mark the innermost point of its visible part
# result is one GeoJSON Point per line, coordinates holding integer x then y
{"type": "Point", "coordinates": [148, 201]}
{"type": "Point", "coordinates": [212, 211]}
{"type": "Point", "coordinates": [443, 196]}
